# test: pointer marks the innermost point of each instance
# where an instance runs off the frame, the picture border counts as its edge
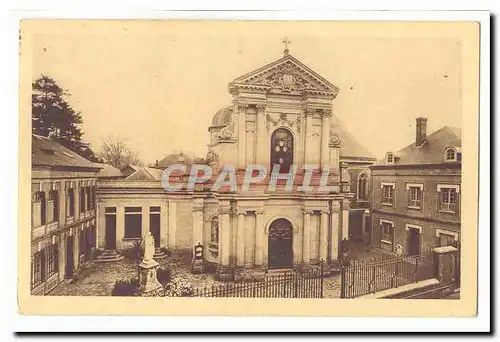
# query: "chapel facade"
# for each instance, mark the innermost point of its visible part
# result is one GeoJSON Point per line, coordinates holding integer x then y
{"type": "Point", "coordinates": [281, 114]}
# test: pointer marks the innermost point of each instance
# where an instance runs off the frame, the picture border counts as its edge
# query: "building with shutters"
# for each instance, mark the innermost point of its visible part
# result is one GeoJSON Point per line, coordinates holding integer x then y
{"type": "Point", "coordinates": [63, 215]}
{"type": "Point", "coordinates": [416, 193]}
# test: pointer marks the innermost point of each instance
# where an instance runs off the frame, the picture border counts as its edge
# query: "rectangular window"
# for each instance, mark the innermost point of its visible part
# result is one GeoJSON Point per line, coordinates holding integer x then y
{"type": "Point", "coordinates": [110, 210]}
{"type": "Point", "coordinates": [93, 198]}
{"type": "Point", "coordinates": [386, 232]}
{"type": "Point", "coordinates": [82, 200]}
{"type": "Point", "coordinates": [37, 269]}
{"type": "Point", "coordinates": [89, 198]}
{"type": "Point", "coordinates": [154, 209]}
{"type": "Point", "coordinates": [414, 197]}
{"type": "Point", "coordinates": [81, 242]}
{"type": "Point", "coordinates": [55, 198]}
{"type": "Point", "coordinates": [388, 194]}
{"type": "Point", "coordinates": [52, 260]}
{"type": "Point", "coordinates": [43, 208]}
{"type": "Point", "coordinates": [133, 222]}
{"type": "Point", "coordinates": [448, 200]}
{"type": "Point", "coordinates": [70, 202]}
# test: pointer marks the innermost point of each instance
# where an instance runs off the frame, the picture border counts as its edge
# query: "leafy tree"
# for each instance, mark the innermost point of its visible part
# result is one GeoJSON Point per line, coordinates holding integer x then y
{"type": "Point", "coordinates": [53, 117]}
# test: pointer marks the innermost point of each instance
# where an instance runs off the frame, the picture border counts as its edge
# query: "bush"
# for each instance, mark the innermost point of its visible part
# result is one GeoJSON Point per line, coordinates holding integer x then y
{"type": "Point", "coordinates": [179, 287]}
{"type": "Point", "coordinates": [164, 275]}
{"type": "Point", "coordinates": [125, 288]}
{"type": "Point", "coordinates": [166, 251]}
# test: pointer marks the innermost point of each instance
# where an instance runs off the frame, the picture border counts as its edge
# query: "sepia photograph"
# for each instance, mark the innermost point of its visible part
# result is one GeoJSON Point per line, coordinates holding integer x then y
{"type": "Point", "coordinates": [298, 162]}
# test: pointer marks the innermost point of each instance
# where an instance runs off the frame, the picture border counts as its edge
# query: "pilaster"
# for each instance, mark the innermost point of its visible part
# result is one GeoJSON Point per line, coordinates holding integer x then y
{"type": "Point", "coordinates": [325, 135]}
{"type": "Point", "coordinates": [306, 242]}
{"type": "Point", "coordinates": [242, 111]}
{"type": "Point", "coordinates": [120, 226]}
{"type": "Point", "coordinates": [323, 240]}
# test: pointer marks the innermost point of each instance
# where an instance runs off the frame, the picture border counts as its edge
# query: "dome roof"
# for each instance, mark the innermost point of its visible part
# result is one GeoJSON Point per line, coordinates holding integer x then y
{"type": "Point", "coordinates": [222, 117]}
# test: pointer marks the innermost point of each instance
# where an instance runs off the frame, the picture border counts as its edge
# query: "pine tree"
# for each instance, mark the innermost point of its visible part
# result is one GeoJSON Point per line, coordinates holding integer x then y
{"type": "Point", "coordinates": [53, 117]}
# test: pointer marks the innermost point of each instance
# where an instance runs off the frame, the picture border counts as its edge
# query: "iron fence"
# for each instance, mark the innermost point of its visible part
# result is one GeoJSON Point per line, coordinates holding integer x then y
{"type": "Point", "coordinates": [304, 284]}
{"type": "Point", "coordinates": [360, 278]}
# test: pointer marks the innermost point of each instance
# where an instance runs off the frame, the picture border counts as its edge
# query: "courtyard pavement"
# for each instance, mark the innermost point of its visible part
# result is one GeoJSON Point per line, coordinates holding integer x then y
{"type": "Point", "coordinates": [98, 279]}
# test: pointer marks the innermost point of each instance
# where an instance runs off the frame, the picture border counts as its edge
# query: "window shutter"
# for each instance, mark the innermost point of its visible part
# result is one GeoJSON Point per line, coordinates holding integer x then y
{"type": "Point", "coordinates": [42, 265]}
{"type": "Point", "coordinates": [438, 201]}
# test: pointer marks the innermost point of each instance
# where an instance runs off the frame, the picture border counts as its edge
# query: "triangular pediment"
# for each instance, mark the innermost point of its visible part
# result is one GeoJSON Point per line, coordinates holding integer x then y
{"type": "Point", "coordinates": [286, 75]}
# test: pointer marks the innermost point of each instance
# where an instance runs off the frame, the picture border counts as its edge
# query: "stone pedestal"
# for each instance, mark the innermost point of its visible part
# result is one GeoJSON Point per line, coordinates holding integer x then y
{"type": "Point", "coordinates": [445, 261]}
{"type": "Point", "coordinates": [148, 283]}
{"type": "Point", "coordinates": [198, 266]}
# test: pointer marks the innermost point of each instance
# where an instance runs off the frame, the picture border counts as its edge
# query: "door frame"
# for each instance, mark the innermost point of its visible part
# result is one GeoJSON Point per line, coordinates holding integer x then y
{"type": "Point", "coordinates": [408, 228]}
{"type": "Point", "coordinates": [107, 236]}
{"type": "Point", "coordinates": [291, 243]}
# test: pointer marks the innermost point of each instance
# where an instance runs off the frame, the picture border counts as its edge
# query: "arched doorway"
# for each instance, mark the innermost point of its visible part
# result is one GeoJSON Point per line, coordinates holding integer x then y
{"type": "Point", "coordinates": [282, 149]}
{"type": "Point", "coordinates": [280, 244]}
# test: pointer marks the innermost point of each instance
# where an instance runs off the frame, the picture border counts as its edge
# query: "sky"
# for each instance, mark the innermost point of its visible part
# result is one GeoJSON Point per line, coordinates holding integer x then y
{"type": "Point", "coordinates": [159, 85]}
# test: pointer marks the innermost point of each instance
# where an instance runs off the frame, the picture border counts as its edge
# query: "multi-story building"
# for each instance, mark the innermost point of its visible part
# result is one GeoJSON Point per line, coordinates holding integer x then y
{"type": "Point", "coordinates": [63, 224]}
{"type": "Point", "coordinates": [416, 193]}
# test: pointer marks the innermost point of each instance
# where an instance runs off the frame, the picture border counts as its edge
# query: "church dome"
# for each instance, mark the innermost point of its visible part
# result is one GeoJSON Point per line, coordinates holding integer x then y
{"type": "Point", "coordinates": [222, 117]}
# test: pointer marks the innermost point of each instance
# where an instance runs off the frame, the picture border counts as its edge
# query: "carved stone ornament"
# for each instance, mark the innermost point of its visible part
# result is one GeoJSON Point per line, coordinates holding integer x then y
{"type": "Point", "coordinates": [260, 108]}
{"type": "Point", "coordinates": [212, 159]}
{"type": "Point", "coordinates": [283, 120]}
{"type": "Point", "coordinates": [287, 78]}
{"type": "Point", "coordinates": [226, 133]}
{"type": "Point", "coordinates": [334, 140]}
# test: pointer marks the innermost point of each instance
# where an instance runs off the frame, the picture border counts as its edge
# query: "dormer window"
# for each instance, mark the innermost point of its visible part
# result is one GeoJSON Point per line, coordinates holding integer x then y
{"type": "Point", "coordinates": [390, 158]}
{"type": "Point", "coordinates": [450, 154]}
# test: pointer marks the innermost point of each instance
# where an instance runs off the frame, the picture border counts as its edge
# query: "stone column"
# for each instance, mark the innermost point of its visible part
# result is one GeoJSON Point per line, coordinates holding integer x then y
{"type": "Point", "coordinates": [325, 137]}
{"type": "Point", "coordinates": [224, 272]}
{"type": "Point", "coordinates": [334, 235]}
{"type": "Point", "coordinates": [197, 222]}
{"type": "Point", "coordinates": [242, 113]}
{"type": "Point", "coordinates": [308, 153]}
{"type": "Point", "coordinates": [120, 226]}
{"type": "Point", "coordinates": [323, 239]}
{"type": "Point", "coordinates": [306, 242]}
{"type": "Point", "coordinates": [345, 219]}
{"type": "Point", "coordinates": [262, 144]}
{"type": "Point", "coordinates": [260, 235]}
{"type": "Point", "coordinates": [250, 141]}
{"type": "Point", "coordinates": [172, 224]}
{"type": "Point", "coordinates": [163, 225]}
{"type": "Point", "coordinates": [240, 248]}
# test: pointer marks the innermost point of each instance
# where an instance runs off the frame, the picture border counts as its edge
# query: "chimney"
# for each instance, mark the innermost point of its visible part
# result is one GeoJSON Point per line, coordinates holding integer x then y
{"type": "Point", "coordinates": [421, 133]}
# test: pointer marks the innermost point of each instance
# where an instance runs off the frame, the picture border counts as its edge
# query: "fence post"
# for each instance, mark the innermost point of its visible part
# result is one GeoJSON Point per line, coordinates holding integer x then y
{"type": "Point", "coordinates": [342, 280]}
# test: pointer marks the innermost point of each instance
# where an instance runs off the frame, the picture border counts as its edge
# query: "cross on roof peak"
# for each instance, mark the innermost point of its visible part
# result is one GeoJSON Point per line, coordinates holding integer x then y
{"type": "Point", "coordinates": [286, 41]}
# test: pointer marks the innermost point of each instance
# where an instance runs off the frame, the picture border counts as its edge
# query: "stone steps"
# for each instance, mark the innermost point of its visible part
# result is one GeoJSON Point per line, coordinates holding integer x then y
{"type": "Point", "coordinates": [109, 256]}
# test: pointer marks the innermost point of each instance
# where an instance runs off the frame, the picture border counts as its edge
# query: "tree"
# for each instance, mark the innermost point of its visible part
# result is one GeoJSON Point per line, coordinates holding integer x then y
{"type": "Point", "coordinates": [53, 117]}
{"type": "Point", "coordinates": [115, 151]}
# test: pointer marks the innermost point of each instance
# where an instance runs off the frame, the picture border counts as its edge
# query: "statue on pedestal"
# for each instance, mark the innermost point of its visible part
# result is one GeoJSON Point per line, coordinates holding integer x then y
{"type": "Point", "coordinates": [148, 283]}
{"type": "Point", "coordinates": [198, 265]}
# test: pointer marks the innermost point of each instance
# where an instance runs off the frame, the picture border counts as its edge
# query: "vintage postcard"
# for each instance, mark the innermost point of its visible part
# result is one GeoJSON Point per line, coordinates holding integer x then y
{"type": "Point", "coordinates": [203, 167]}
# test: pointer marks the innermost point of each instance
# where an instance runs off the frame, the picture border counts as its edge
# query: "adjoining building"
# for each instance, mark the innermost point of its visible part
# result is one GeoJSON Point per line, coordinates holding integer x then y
{"type": "Point", "coordinates": [281, 114]}
{"type": "Point", "coordinates": [63, 224]}
{"type": "Point", "coordinates": [416, 193]}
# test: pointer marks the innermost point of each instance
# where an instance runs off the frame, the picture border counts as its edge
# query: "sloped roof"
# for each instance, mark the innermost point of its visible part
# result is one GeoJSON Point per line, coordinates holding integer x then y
{"type": "Point", "coordinates": [146, 173]}
{"type": "Point", "coordinates": [432, 151]}
{"type": "Point", "coordinates": [47, 152]}
{"type": "Point", "coordinates": [174, 158]}
{"type": "Point", "coordinates": [108, 171]}
{"type": "Point", "coordinates": [349, 146]}
{"type": "Point", "coordinates": [289, 60]}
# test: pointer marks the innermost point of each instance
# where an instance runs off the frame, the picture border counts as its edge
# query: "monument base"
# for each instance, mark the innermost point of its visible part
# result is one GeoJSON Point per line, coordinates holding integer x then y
{"type": "Point", "coordinates": [148, 282]}
{"type": "Point", "coordinates": [198, 266]}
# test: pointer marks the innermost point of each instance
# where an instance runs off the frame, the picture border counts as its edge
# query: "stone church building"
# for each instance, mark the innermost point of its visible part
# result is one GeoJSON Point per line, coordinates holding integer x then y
{"type": "Point", "coordinates": [281, 113]}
